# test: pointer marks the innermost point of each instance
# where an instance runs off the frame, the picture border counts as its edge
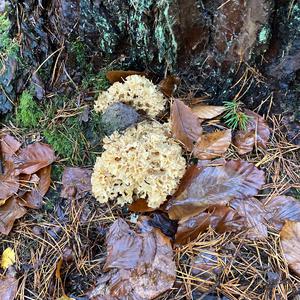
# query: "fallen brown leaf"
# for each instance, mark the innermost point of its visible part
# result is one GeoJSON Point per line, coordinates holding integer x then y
{"type": "Point", "coordinates": [34, 198]}
{"type": "Point", "coordinates": [221, 218]}
{"type": "Point", "coordinates": [9, 212]}
{"type": "Point", "coordinates": [212, 145]}
{"type": "Point", "coordinates": [282, 208]}
{"type": "Point", "coordinates": [186, 126]}
{"type": "Point", "coordinates": [140, 205]}
{"type": "Point", "coordinates": [257, 133]}
{"type": "Point", "coordinates": [141, 264]}
{"type": "Point", "coordinates": [254, 215]}
{"type": "Point", "coordinates": [290, 241]}
{"type": "Point", "coordinates": [8, 286]}
{"type": "Point", "coordinates": [33, 158]}
{"type": "Point", "coordinates": [119, 75]}
{"type": "Point", "coordinates": [76, 183]}
{"type": "Point", "coordinates": [9, 182]}
{"type": "Point", "coordinates": [207, 111]}
{"type": "Point", "coordinates": [8, 146]}
{"type": "Point", "coordinates": [217, 185]}
{"type": "Point", "coordinates": [168, 85]}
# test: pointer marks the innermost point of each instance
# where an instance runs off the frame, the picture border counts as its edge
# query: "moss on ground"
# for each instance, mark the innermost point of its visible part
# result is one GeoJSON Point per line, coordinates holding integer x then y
{"type": "Point", "coordinates": [28, 113]}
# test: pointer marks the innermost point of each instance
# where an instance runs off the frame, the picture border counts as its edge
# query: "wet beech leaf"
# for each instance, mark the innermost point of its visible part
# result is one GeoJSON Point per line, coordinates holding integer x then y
{"type": "Point", "coordinates": [119, 75]}
{"type": "Point", "coordinates": [8, 146]}
{"type": "Point", "coordinates": [255, 216]}
{"type": "Point", "coordinates": [207, 111]}
{"type": "Point", "coordinates": [9, 182]}
{"type": "Point", "coordinates": [217, 185]}
{"type": "Point", "coordinates": [140, 205]}
{"type": "Point", "coordinates": [290, 241]}
{"type": "Point", "coordinates": [8, 287]}
{"type": "Point", "coordinates": [257, 133]}
{"type": "Point", "coordinates": [221, 218]}
{"type": "Point", "coordinates": [33, 198]}
{"type": "Point", "coordinates": [140, 265]}
{"type": "Point", "coordinates": [186, 126]}
{"type": "Point", "coordinates": [282, 208]}
{"type": "Point", "coordinates": [212, 145]}
{"type": "Point", "coordinates": [168, 85]}
{"type": "Point", "coordinates": [34, 157]}
{"type": "Point", "coordinates": [9, 212]}
{"type": "Point", "coordinates": [76, 182]}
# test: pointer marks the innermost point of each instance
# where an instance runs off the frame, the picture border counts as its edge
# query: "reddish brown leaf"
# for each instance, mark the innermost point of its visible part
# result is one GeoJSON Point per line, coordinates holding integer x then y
{"type": "Point", "coordinates": [212, 145]}
{"type": "Point", "coordinates": [282, 208]}
{"type": "Point", "coordinates": [34, 157]}
{"type": "Point", "coordinates": [186, 126]}
{"type": "Point", "coordinates": [8, 146]}
{"type": "Point", "coordinates": [254, 214]}
{"type": "Point", "coordinates": [141, 264]}
{"type": "Point", "coordinates": [169, 85]}
{"type": "Point", "coordinates": [207, 111]}
{"type": "Point", "coordinates": [9, 212]}
{"type": "Point", "coordinates": [8, 287]}
{"type": "Point", "coordinates": [217, 185]}
{"type": "Point", "coordinates": [34, 198]}
{"type": "Point", "coordinates": [257, 133]}
{"type": "Point", "coordinates": [76, 183]}
{"type": "Point", "coordinates": [9, 182]}
{"type": "Point", "coordinates": [140, 205]}
{"type": "Point", "coordinates": [290, 241]}
{"type": "Point", "coordinates": [221, 218]}
{"type": "Point", "coordinates": [119, 75]}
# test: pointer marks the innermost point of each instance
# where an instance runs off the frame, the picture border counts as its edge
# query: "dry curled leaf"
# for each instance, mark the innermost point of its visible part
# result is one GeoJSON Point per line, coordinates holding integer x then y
{"type": "Point", "coordinates": [207, 111]}
{"type": "Point", "coordinates": [9, 212]}
{"type": "Point", "coordinates": [254, 215]}
{"type": "Point", "coordinates": [168, 85]}
{"type": "Point", "coordinates": [290, 241]}
{"type": "Point", "coordinates": [212, 145]}
{"type": "Point", "coordinates": [257, 133]}
{"type": "Point", "coordinates": [280, 209]}
{"type": "Point", "coordinates": [119, 75]}
{"type": "Point", "coordinates": [186, 126]}
{"type": "Point", "coordinates": [141, 264]}
{"type": "Point", "coordinates": [221, 218]}
{"type": "Point", "coordinates": [217, 185]}
{"type": "Point", "coordinates": [8, 258]}
{"type": "Point", "coordinates": [76, 183]}
{"type": "Point", "coordinates": [34, 157]}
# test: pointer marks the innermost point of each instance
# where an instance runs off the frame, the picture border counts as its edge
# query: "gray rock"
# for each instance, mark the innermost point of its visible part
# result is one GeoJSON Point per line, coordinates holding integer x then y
{"type": "Point", "coordinates": [118, 117]}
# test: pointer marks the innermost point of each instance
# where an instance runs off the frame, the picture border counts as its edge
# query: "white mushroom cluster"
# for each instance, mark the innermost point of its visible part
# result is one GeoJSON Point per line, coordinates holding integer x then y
{"type": "Point", "coordinates": [137, 91]}
{"type": "Point", "coordinates": [143, 162]}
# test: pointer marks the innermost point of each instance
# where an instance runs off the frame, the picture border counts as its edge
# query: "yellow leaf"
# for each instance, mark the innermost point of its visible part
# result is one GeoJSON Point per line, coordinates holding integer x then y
{"type": "Point", "coordinates": [65, 297]}
{"type": "Point", "coordinates": [8, 258]}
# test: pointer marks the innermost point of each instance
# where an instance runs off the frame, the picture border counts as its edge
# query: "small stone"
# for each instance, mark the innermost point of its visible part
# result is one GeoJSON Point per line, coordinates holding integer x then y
{"type": "Point", "coordinates": [118, 117]}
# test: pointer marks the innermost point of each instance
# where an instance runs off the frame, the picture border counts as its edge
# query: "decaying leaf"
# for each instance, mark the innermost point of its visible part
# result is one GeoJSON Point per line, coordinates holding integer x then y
{"type": "Point", "coordinates": [207, 111]}
{"type": "Point", "coordinates": [280, 209]}
{"type": "Point", "coordinates": [34, 157]}
{"type": "Point", "coordinates": [168, 85]}
{"type": "Point", "coordinates": [217, 185]}
{"type": "Point", "coordinates": [9, 212]}
{"type": "Point", "coordinates": [290, 241]}
{"type": "Point", "coordinates": [186, 126]}
{"type": "Point", "coordinates": [8, 286]}
{"type": "Point", "coordinates": [119, 75]}
{"type": "Point", "coordinates": [257, 133]}
{"type": "Point", "coordinates": [254, 215]}
{"type": "Point", "coordinates": [8, 146]}
{"type": "Point", "coordinates": [221, 218]}
{"type": "Point", "coordinates": [9, 182]}
{"type": "Point", "coordinates": [212, 145]}
{"type": "Point", "coordinates": [8, 258]}
{"type": "Point", "coordinates": [33, 198]}
{"type": "Point", "coordinates": [140, 205]}
{"type": "Point", "coordinates": [76, 183]}
{"type": "Point", "coordinates": [141, 265]}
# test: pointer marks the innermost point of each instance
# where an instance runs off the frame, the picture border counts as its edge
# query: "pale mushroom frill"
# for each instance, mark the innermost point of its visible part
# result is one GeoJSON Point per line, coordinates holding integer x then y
{"type": "Point", "coordinates": [144, 162]}
{"type": "Point", "coordinates": [137, 91]}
